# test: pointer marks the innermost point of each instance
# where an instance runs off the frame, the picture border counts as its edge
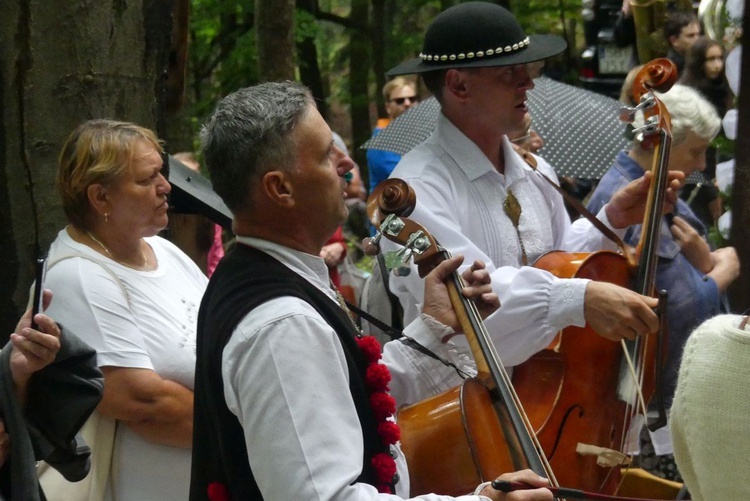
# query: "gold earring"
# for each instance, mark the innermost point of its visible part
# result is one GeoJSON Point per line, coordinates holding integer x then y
{"type": "Point", "coordinates": [106, 217]}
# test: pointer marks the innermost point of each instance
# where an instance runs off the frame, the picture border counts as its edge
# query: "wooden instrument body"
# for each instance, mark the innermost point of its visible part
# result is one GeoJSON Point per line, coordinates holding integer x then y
{"type": "Point", "coordinates": [477, 431]}
{"type": "Point", "coordinates": [569, 390]}
{"type": "Point", "coordinates": [454, 441]}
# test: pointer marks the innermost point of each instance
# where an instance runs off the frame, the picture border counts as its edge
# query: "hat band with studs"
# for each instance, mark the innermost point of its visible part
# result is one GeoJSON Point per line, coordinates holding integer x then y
{"type": "Point", "coordinates": [475, 55]}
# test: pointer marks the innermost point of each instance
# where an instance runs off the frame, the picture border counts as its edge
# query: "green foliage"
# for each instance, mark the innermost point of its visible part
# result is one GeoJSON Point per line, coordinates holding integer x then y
{"type": "Point", "coordinates": [222, 50]}
{"type": "Point", "coordinates": [332, 41]}
{"type": "Point", "coordinates": [305, 25]}
{"type": "Point", "coordinates": [406, 23]}
{"type": "Point", "coordinates": [723, 144]}
{"type": "Point", "coordinates": [361, 260]}
{"type": "Point", "coordinates": [716, 239]}
{"type": "Point", "coordinates": [223, 53]}
{"type": "Point", "coordinates": [543, 16]}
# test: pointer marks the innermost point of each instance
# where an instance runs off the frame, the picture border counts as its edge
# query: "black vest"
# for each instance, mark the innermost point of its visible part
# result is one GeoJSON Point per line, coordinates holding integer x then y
{"type": "Point", "coordinates": [244, 279]}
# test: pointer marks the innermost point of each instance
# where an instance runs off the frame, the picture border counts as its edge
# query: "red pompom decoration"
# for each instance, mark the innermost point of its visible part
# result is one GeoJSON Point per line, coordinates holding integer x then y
{"type": "Point", "coordinates": [377, 377]}
{"type": "Point", "coordinates": [385, 467]}
{"type": "Point", "coordinates": [370, 347]}
{"type": "Point", "coordinates": [389, 432]}
{"type": "Point", "coordinates": [383, 405]}
{"type": "Point", "coordinates": [218, 492]}
{"type": "Point", "coordinates": [384, 489]}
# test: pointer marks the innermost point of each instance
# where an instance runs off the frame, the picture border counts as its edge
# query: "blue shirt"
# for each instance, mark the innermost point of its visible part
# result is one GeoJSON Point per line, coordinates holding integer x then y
{"type": "Point", "coordinates": [693, 297]}
{"type": "Point", "coordinates": [380, 163]}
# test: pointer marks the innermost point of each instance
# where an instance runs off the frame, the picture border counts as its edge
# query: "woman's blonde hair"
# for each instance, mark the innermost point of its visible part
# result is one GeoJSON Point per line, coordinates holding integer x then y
{"type": "Point", "coordinates": [97, 151]}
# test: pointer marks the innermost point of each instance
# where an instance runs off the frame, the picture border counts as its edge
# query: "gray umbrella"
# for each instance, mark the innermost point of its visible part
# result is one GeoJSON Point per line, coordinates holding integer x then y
{"type": "Point", "coordinates": [581, 129]}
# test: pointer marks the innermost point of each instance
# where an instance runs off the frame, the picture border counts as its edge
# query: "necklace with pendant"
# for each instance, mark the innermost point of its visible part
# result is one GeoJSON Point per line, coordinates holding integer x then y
{"type": "Point", "coordinates": [106, 249]}
{"type": "Point", "coordinates": [512, 209]}
{"type": "Point", "coordinates": [342, 304]}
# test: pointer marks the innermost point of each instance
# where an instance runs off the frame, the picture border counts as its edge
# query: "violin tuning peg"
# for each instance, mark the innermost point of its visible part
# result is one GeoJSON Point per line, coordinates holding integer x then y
{"type": "Point", "coordinates": [371, 247]}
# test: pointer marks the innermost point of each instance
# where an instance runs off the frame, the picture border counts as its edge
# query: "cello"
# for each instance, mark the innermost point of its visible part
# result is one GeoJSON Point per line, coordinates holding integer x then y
{"type": "Point", "coordinates": [478, 429]}
{"type": "Point", "coordinates": [573, 391]}
{"type": "Point", "coordinates": [472, 433]}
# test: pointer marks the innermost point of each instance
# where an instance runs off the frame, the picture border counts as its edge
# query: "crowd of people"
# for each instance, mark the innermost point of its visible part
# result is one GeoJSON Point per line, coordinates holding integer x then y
{"type": "Point", "coordinates": [258, 383]}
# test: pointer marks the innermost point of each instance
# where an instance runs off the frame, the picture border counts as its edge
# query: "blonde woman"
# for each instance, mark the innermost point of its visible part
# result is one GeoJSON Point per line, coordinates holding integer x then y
{"type": "Point", "coordinates": [134, 297]}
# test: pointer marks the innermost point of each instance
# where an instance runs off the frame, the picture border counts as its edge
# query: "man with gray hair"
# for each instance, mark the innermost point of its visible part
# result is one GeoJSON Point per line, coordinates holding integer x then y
{"type": "Point", "coordinates": [285, 403]}
{"type": "Point", "coordinates": [693, 275]}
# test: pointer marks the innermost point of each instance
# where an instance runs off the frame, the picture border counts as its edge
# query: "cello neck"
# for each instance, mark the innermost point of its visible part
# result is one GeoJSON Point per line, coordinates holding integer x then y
{"type": "Point", "coordinates": [491, 372]}
{"type": "Point", "coordinates": [649, 243]}
{"type": "Point", "coordinates": [387, 207]}
{"type": "Point", "coordinates": [659, 74]}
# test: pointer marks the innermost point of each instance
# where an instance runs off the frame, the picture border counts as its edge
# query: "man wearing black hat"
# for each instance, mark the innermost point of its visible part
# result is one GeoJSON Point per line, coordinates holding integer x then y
{"type": "Point", "coordinates": [479, 197]}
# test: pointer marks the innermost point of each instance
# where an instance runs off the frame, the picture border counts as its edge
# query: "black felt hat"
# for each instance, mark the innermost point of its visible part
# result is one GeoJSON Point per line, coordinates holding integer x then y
{"type": "Point", "coordinates": [475, 35]}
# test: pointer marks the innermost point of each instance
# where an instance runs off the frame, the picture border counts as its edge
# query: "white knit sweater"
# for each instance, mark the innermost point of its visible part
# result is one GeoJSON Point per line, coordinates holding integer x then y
{"type": "Point", "coordinates": [710, 417]}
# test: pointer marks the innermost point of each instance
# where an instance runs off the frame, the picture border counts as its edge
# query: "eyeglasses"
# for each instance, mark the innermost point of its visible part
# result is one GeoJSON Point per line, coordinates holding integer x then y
{"type": "Point", "coordinates": [401, 100]}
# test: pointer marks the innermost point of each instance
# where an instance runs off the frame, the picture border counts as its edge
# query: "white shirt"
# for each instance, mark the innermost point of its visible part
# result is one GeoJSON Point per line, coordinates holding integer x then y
{"type": "Point", "coordinates": [286, 379]}
{"type": "Point", "coordinates": [460, 198]}
{"type": "Point", "coordinates": [154, 327]}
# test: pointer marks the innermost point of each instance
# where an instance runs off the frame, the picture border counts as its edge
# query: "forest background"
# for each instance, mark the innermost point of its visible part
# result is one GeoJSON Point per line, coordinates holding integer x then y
{"type": "Point", "coordinates": [165, 63]}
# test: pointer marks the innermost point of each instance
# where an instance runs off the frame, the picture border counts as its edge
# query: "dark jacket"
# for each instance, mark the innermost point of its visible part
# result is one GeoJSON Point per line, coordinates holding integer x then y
{"type": "Point", "coordinates": [60, 399]}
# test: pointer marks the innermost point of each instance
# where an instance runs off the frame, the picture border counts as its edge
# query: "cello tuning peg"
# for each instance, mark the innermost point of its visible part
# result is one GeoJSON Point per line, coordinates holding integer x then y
{"type": "Point", "coordinates": [401, 271]}
{"type": "Point", "coordinates": [392, 260]}
{"type": "Point", "coordinates": [371, 246]}
{"type": "Point", "coordinates": [627, 114]}
{"type": "Point", "coordinates": [395, 260]}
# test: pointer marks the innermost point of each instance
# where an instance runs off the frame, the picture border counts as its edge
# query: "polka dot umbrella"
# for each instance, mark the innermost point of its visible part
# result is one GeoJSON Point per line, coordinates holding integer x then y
{"type": "Point", "coordinates": [581, 129]}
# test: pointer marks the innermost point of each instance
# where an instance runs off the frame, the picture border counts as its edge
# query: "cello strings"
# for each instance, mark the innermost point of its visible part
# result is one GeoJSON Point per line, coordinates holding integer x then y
{"type": "Point", "coordinates": [471, 308]}
{"type": "Point", "coordinates": [637, 377]}
{"type": "Point", "coordinates": [660, 158]}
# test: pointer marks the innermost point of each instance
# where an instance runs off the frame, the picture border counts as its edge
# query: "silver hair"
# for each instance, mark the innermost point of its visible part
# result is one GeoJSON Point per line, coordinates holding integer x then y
{"type": "Point", "coordinates": [249, 134]}
{"type": "Point", "coordinates": [689, 111]}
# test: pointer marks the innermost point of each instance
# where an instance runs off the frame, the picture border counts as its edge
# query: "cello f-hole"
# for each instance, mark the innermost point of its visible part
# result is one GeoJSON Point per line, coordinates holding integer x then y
{"type": "Point", "coordinates": [562, 426]}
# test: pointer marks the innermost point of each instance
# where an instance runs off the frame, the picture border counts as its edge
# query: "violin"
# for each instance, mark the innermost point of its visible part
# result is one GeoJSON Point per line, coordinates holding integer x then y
{"type": "Point", "coordinates": [584, 413]}
{"type": "Point", "coordinates": [478, 430]}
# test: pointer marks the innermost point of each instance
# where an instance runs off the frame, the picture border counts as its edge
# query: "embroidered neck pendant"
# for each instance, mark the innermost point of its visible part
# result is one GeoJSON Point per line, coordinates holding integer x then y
{"type": "Point", "coordinates": [513, 210]}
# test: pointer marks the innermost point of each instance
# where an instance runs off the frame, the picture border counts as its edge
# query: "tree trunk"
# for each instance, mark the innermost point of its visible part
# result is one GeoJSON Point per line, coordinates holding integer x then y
{"type": "Point", "coordinates": [309, 69]}
{"type": "Point", "coordinates": [359, 68]}
{"type": "Point", "coordinates": [739, 292]}
{"type": "Point", "coordinates": [378, 52]}
{"type": "Point", "coordinates": [274, 29]}
{"type": "Point", "coordinates": [63, 63]}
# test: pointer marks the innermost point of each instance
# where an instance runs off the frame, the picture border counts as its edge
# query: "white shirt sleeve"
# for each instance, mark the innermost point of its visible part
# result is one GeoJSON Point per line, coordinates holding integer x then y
{"type": "Point", "coordinates": [534, 303]}
{"type": "Point", "coordinates": [286, 379]}
{"type": "Point", "coordinates": [582, 236]}
{"type": "Point", "coordinates": [415, 376]}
